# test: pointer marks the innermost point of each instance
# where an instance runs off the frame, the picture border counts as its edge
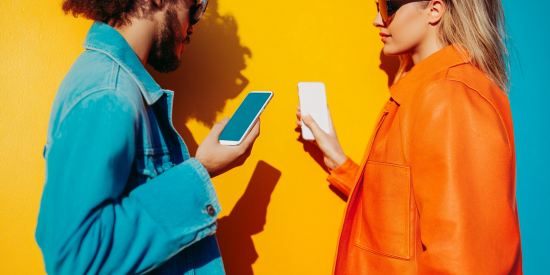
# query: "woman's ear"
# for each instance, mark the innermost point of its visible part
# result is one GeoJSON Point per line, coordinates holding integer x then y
{"type": "Point", "coordinates": [437, 8]}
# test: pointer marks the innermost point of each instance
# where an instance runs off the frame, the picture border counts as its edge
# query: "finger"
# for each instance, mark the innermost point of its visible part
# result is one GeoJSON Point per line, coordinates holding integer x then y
{"type": "Point", "coordinates": [299, 123]}
{"type": "Point", "coordinates": [244, 156]}
{"type": "Point", "coordinates": [217, 129]}
{"type": "Point", "coordinates": [310, 122]}
{"type": "Point", "coordinates": [220, 125]}
{"type": "Point", "coordinates": [248, 152]}
{"type": "Point", "coordinates": [331, 125]}
{"type": "Point", "coordinates": [299, 115]}
{"type": "Point", "coordinates": [257, 124]}
{"type": "Point", "coordinates": [298, 108]}
{"type": "Point", "coordinates": [252, 135]}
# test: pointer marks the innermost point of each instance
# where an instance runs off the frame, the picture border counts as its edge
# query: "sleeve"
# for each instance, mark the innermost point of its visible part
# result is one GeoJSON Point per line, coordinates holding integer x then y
{"type": "Point", "coordinates": [86, 225]}
{"type": "Point", "coordinates": [343, 176]}
{"type": "Point", "coordinates": [462, 172]}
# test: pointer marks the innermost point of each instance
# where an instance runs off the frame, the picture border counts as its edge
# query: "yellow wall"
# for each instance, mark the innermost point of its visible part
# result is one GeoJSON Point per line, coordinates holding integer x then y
{"type": "Point", "coordinates": [288, 219]}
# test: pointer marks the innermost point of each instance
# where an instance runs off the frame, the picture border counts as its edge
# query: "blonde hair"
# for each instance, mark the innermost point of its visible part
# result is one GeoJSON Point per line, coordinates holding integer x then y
{"type": "Point", "coordinates": [476, 28]}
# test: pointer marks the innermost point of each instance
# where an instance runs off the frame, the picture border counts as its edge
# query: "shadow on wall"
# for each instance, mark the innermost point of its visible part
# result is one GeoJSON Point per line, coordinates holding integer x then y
{"type": "Point", "coordinates": [390, 65]}
{"type": "Point", "coordinates": [209, 74]}
{"type": "Point", "coordinates": [247, 218]}
{"type": "Point", "coordinates": [317, 155]}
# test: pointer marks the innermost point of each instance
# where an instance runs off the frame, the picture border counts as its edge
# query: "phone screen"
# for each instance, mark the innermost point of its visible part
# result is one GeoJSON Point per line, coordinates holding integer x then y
{"type": "Point", "coordinates": [313, 99]}
{"type": "Point", "coordinates": [241, 122]}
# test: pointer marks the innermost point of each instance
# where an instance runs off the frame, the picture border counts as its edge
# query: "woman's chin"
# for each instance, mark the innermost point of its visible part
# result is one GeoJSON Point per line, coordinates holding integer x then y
{"type": "Point", "coordinates": [389, 50]}
{"type": "Point", "coordinates": [393, 49]}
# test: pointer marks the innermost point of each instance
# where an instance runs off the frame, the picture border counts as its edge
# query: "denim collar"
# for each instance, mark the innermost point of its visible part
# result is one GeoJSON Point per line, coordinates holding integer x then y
{"type": "Point", "coordinates": [105, 39]}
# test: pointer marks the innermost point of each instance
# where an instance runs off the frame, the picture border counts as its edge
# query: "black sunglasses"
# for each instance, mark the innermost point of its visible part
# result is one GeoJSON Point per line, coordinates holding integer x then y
{"type": "Point", "coordinates": [388, 8]}
{"type": "Point", "coordinates": [197, 11]}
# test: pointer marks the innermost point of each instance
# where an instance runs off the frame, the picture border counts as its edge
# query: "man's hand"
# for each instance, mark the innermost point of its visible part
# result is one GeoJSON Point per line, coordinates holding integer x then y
{"type": "Point", "coordinates": [328, 143]}
{"type": "Point", "coordinates": [217, 158]}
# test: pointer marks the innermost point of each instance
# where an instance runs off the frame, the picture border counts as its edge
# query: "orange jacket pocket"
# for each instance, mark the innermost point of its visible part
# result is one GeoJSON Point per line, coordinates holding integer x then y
{"type": "Point", "coordinates": [384, 219]}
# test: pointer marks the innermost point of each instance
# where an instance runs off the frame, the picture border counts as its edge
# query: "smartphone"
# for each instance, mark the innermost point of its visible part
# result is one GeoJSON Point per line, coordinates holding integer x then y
{"type": "Point", "coordinates": [313, 99]}
{"type": "Point", "coordinates": [244, 118]}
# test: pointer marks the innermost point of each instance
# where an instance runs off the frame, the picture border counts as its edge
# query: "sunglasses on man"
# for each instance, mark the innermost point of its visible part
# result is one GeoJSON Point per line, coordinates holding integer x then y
{"type": "Point", "coordinates": [197, 11]}
{"type": "Point", "coordinates": [388, 8]}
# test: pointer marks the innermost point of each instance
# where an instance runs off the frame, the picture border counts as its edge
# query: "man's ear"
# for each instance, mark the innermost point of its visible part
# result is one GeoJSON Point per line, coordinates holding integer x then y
{"type": "Point", "coordinates": [158, 3]}
{"type": "Point", "coordinates": [437, 9]}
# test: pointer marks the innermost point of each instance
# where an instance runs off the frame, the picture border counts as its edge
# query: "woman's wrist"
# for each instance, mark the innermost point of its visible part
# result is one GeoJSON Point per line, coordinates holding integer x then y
{"type": "Point", "coordinates": [337, 161]}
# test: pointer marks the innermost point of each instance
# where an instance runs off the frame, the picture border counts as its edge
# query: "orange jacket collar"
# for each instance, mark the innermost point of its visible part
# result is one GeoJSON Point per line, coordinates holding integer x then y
{"type": "Point", "coordinates": [443, 59]}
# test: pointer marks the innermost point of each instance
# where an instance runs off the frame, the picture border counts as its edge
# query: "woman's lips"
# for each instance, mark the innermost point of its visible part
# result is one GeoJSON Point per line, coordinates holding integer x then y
{"type": "Point", "coordinates": [384, 36]}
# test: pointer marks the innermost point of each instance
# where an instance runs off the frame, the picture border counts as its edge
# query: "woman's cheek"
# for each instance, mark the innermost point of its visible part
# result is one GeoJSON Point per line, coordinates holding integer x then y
{"type": "Point", "coordinates": [393, 44]}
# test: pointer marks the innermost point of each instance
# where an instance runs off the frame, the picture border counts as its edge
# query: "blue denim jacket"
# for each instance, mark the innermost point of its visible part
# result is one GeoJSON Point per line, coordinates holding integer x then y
{"type": "Point", "coordinates": [122, 195]}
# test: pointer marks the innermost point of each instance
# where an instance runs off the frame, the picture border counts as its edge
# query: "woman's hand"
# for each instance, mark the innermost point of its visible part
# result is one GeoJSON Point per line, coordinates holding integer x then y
{"type": "Point", "coordinates": [217, 158]}
{"type": "Point", "coordinates": [328, 143]}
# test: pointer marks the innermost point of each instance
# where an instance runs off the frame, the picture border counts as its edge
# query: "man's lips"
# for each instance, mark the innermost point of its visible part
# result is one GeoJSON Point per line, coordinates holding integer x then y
{"type": "Point", "coordinates": [184, 42]}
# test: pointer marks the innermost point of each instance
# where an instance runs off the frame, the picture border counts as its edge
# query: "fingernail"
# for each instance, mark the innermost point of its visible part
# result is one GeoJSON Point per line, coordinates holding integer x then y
{"type": "Point", "coordinates": [305, 114]}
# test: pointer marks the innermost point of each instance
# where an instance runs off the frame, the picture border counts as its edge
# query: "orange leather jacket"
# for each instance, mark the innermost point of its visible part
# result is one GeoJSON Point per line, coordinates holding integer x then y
{"type": "Point", "coordinates": [436, 190]}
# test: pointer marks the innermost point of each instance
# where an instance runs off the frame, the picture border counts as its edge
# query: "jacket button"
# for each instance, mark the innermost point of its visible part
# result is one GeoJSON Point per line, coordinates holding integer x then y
{"type": "Point", "coordinates": [210, 210]}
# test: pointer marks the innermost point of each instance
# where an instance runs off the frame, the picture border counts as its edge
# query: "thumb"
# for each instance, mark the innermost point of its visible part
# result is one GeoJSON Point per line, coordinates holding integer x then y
{"type": "Point", "coordinates": [218, 127]}
{"type": "Point", "coordinates": [310, 122]}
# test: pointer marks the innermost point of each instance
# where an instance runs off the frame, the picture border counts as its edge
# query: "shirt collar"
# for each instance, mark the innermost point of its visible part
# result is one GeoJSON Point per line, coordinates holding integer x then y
{"type": "Point", "coordinates": [445, 58]}
{"type": "Point", "coordinates": [105, 39]}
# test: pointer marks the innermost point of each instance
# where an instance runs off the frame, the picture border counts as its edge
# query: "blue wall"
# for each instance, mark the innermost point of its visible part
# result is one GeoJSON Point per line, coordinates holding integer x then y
{"type": "Point", "coordinates": [529, 29]}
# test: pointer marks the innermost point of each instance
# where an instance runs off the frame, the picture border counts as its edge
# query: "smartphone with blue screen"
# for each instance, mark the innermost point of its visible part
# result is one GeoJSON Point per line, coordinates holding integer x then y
{"type": "Point", "coordinates": [244, 118]}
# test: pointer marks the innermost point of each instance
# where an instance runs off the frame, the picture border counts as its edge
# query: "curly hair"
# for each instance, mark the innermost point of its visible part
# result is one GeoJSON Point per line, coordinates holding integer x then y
{"type": "Point", "coordinates": [115, 12]}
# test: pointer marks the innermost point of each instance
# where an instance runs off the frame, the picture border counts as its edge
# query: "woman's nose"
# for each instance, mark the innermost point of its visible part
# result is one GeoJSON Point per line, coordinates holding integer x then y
{"type": "Point", "coordinates": [378, 22]}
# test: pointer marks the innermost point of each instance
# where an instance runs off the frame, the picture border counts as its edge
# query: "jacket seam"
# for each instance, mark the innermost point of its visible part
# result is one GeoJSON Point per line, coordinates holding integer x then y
{"type": "Point", "coordinates": [492, 105]}
{"type": "Point", "coordinates": [372, 250]}
{"type": "Point", "coordinates": [110, 86]}
{"type": "Point", "coordinates": [415, 228]}
{"type": "Point", "coordinates": [81, 98]}
{"type": "Point", "coordinates": [114, 76]}
{"type": "Point", "coordinates": [132, 75]}
{"type": "Point", "coordinates": [389, 164]}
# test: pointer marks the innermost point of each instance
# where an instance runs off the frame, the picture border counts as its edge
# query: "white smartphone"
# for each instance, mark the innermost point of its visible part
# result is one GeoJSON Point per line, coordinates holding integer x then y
{"type": "Point", "coordinates": [313, 99]}
{"type": "Point", "coordinates": [244, 118]}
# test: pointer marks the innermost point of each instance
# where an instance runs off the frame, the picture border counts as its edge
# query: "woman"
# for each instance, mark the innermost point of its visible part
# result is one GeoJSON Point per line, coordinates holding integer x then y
{"type": "Point", "coordinates": [435, 192]}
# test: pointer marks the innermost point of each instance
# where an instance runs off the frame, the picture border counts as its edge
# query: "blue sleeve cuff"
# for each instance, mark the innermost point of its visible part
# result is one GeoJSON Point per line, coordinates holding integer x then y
{"type": "Point", "coordinates": [182, 199]}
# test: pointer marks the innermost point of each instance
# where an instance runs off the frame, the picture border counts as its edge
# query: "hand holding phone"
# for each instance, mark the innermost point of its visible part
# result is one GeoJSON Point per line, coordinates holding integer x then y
{"type": "Point", "coordinates": [241, 132]}
{"type": "Point", "coordinates": [244, 118]}
{"type": "Point", "coordinates": [313, 97]}
{"type": "Point", "coordinates": [217, 158]}
{"type": "Point", "coordinates": [313, 100]}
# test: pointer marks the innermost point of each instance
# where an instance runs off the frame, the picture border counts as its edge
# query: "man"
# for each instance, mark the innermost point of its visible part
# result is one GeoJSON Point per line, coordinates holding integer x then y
{"type": "Point", "coordinates": [122, 195]}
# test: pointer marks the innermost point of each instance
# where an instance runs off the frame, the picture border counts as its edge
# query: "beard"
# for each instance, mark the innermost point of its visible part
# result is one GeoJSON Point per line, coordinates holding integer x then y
{"type": "Point", "coordinates": [163, 56]}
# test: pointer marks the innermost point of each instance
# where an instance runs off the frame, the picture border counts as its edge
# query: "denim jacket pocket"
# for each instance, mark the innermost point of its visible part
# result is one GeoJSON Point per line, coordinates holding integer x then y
{"type": "Point", "coordinates": [150, 165]}
{"type": "Point", "coordinates": [385, 210]}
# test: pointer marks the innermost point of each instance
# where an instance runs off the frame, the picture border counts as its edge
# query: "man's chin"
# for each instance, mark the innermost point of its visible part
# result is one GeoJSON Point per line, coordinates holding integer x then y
{"type": "Point", "coordinates": [166, 66]}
